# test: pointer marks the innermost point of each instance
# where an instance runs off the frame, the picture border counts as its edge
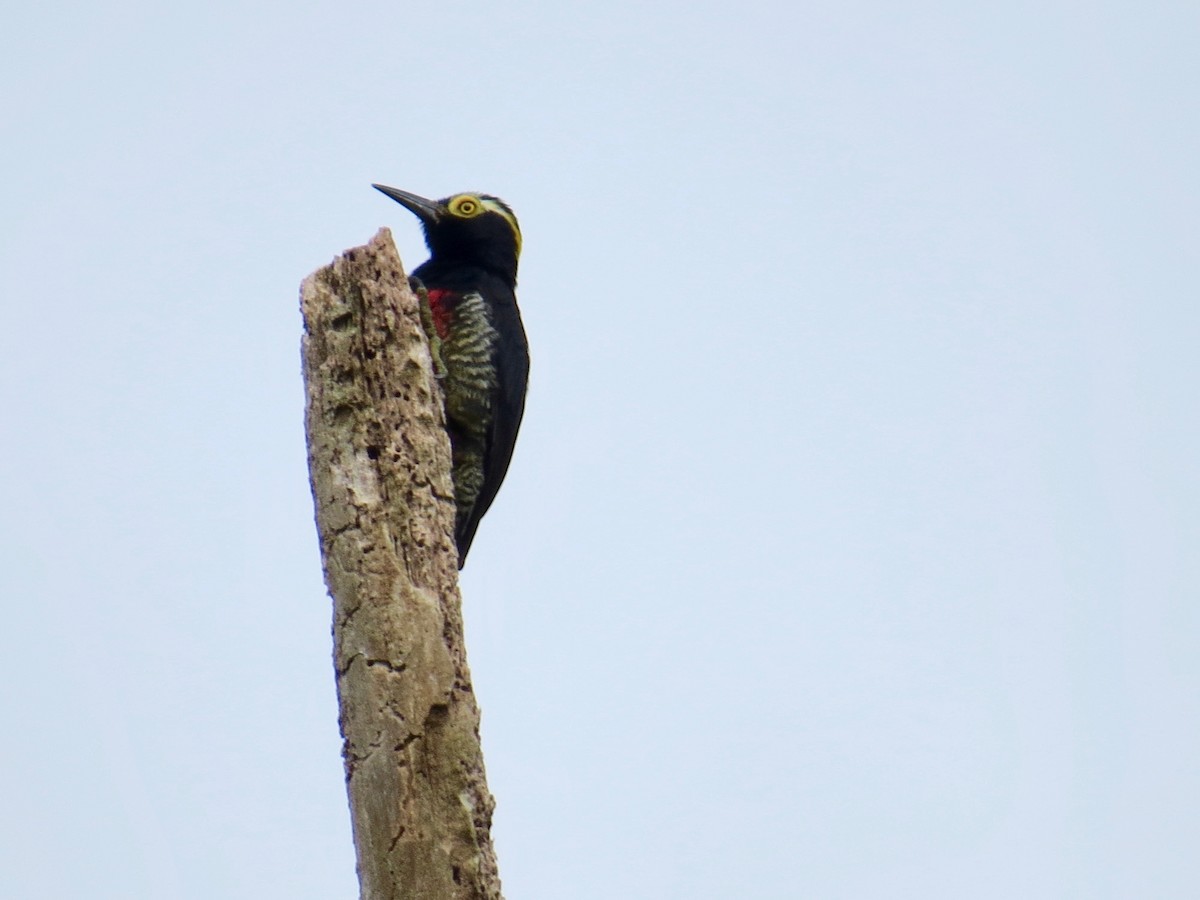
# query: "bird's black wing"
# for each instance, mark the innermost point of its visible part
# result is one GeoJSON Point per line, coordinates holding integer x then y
{"type": "Point", "coordinates": [508, 404]}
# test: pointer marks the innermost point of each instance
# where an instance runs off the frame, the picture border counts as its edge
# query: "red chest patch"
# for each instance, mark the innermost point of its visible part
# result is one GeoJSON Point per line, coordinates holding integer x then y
{"type": "Point", "coordinates": [441, 304]}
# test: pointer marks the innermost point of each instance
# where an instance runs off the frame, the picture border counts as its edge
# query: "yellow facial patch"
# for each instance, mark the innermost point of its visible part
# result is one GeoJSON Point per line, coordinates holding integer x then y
{"type": "Point", "coordinates": [468, 206]}
{"type": "Point", "coordinates": [465, 206]}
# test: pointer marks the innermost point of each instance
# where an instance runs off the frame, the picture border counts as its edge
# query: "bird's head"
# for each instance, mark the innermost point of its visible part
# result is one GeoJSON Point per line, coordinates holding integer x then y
{"type": "Point", "coordinates": [472, 229]}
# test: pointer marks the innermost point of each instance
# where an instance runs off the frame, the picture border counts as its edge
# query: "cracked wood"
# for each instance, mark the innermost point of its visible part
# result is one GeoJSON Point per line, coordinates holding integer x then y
{"type": "Point", "coordinates": [379, 464]}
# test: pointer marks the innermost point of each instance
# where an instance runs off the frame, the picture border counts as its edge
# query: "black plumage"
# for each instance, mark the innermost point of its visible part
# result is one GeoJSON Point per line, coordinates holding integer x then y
{"type": "Point", "coordinates": [480, 349]}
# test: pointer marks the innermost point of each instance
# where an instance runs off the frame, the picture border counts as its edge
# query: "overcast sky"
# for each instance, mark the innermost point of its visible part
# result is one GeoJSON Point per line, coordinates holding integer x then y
{"type": "Point", "coordinates": [850, 545]}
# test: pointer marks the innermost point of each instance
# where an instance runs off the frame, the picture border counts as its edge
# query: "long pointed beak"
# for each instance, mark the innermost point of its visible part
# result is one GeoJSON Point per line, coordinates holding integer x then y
{"type": "Point", "coordinates": [428, 211]}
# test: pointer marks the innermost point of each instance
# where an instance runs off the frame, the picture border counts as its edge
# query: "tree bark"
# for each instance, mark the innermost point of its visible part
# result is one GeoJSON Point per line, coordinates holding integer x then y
{"type": "Point", "coordinates": [379, 465]}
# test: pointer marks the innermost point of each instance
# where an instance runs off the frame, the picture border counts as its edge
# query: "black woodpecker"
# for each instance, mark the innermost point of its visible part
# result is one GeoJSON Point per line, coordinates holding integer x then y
{"type": "Point", "coordinates": [468, 286]}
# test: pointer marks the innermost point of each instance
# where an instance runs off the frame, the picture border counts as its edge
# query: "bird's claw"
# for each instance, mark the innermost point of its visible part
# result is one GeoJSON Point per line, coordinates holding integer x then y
{"type": "Point", "coordinates": [435, 341]}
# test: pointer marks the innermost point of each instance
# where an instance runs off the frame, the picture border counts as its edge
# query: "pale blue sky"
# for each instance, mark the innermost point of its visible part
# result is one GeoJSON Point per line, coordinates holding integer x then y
{"type": "Point", "coordinates": [849, 550]}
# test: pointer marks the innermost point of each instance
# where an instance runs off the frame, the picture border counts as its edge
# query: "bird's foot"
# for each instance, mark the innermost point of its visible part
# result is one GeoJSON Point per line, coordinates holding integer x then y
{"type": "Point", "coordinates": [435, 341]}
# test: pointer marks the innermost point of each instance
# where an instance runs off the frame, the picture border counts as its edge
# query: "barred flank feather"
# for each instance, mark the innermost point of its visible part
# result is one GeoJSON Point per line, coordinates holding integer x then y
{"type": "Point", "coordinates": [470, 385]}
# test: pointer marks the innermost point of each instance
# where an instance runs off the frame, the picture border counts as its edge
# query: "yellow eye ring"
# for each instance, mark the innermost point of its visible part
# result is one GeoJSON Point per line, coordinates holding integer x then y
{"type": "Point", "coordinates": [466, 207]}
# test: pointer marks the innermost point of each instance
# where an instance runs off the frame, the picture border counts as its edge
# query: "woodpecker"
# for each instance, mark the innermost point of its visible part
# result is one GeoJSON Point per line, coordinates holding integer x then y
{"type": "Point", "coordinates": [468, 293]}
